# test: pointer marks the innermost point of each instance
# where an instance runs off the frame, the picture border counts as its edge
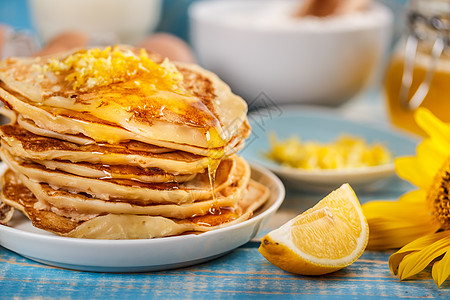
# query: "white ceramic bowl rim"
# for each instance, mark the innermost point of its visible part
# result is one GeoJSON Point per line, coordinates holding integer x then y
{"type": "Point", "coordinates": [216, 13]}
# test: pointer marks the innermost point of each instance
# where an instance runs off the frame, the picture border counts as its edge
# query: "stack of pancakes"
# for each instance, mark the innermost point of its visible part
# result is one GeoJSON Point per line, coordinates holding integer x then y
{"type": "Point", "coordinates": [121, 144]}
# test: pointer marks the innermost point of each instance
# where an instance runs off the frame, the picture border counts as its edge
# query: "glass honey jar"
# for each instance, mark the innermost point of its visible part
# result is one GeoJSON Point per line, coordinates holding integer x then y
{"type": "Point", "coordinates": [419, 72]}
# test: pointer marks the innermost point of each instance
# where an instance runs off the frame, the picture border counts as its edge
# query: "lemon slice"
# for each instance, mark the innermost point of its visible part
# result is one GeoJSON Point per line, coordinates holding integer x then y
{"type": "Point", "coordinates": [327, 237]}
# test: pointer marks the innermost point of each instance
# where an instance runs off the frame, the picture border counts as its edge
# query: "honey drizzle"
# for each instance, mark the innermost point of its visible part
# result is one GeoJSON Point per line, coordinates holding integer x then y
{"type": "Point", "coordinates": [213, 164]}
{"type": "Point", "coordinates": [126, 86]}
{"type": "Point", "coordinates": [215, 155]}
{"type": "Point", "coordinates": [216, 217]}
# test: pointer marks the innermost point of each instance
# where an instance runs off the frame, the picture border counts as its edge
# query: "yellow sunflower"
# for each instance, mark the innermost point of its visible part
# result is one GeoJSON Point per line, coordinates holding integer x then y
{"type": "Point", "coordinates": [420, 220]}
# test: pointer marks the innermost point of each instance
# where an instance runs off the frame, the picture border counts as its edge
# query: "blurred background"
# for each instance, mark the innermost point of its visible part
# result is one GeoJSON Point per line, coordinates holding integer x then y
{"type": "Point", "coordinates": [174, 16]}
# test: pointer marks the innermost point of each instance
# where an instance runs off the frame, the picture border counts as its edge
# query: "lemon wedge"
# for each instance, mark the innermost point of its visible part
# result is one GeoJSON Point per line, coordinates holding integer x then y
{"type": "Point", "coordinates": [327, 237]}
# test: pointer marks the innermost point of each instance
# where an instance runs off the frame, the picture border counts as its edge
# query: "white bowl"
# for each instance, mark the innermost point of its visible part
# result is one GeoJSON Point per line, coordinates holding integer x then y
{"type": "Point", "coordinates": [127, 20]}
{"type": "Point", "coordinates": [257, 48]}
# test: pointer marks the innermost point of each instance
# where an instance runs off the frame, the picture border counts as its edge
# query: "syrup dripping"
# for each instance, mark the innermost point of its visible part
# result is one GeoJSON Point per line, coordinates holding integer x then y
{"type": "Point", "coordinates": [213, 164]}
{"type": "Point", "coordinates": [216, 216]}
{"type": "Point", "coordinates": [215, 155]}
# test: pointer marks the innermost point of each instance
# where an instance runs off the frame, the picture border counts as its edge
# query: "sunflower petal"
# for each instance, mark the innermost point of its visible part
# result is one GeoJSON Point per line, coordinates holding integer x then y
{"type": "Point", "coordinates": [434, 148]}
{"type": "Point", "coordinates": [409, 168]}
{"type": "Point", "coordinates": [415, 246]}
{"type": "Point", "coordinates": [396, 238]}
{"type": "Point", "coordinates": [436, 129]}
{"type": "Point", "coordinates": [430, 159]}
{"type": "Point", "coordinates": [417, 196]}
{"type": "Point", "coordinates": [393, 224]}
{"type": "Point", "coordinates": [441, 269]}
{"type": "Point", "coordinates": [415, 262]}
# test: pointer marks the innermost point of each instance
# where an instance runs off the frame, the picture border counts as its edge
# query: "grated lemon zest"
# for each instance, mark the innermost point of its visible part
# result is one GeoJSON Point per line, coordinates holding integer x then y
{"type": "Point", "coordinates": [346, 152]}
{"type": "Point", "coordinates": [92, 68]}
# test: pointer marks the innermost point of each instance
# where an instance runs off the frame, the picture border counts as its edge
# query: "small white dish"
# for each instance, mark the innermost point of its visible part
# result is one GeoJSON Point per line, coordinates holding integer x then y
{"type": "Point", "coordinates": [360, 178]}
{"type": "Point", "coordinates": [322, 125]}
{"type": "Point", "coordinates": [138, 255]}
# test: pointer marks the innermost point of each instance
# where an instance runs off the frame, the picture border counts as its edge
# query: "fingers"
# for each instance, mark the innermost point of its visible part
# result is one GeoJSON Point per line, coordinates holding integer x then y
{"type": "Point", "coordinates": [64, 42]}
{"type": "Point", "coordinates": [170, 46]}
{"type": "Point", "coordinates": [166, 45]}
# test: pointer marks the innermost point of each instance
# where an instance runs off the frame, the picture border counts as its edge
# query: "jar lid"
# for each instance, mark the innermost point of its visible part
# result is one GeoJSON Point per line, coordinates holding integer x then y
{"type": "Point", "coordinates": [429, 19]}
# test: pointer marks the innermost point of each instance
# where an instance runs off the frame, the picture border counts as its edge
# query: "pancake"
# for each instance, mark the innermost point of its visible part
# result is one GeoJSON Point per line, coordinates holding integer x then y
{"type": "Point", "coordinates": [126, 226]}
{"type": "Point", "coordinates": [117, 143]}
{"type": "Point", "coordinates": [23, 143]}
{"type": "Point", "coordinates": [16, 195]}
{"type": "Point", "coordinates": [79, 206]}
{"type": "Point", "coordinates": [100, 171]}
{"type": "Point", "coordinates": [233, 146]}
{"type": "Point", "coordinates": [186, 105]}
{"type": "Point", "coordinates": [133, 191]}
{"type": "Point", "coordinates": [6, 213]}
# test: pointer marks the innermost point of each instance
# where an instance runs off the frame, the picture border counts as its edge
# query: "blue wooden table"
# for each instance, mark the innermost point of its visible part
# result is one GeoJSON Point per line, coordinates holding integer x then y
{"type": "Point", "coordinates": [240, 273]}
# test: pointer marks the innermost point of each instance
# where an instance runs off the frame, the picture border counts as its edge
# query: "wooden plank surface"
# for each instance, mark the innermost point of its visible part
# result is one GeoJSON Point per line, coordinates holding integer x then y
{"type": "Point", "coordinates": [241, 273]}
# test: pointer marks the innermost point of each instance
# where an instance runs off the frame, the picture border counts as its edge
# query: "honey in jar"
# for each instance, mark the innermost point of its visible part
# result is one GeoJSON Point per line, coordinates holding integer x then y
{"type": "Point", "coordinates": [419, 72]}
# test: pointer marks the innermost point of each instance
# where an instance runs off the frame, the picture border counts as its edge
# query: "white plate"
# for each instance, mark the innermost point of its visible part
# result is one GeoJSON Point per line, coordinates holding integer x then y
{"type": "Point", "coordinates": [322, 125]}
{"type": "Point", "coordinates": [138, 255]}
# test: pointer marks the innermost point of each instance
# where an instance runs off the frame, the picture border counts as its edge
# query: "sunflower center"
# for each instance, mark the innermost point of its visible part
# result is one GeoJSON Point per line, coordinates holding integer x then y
{"type": "Point", "coordinates": [438, 196]}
